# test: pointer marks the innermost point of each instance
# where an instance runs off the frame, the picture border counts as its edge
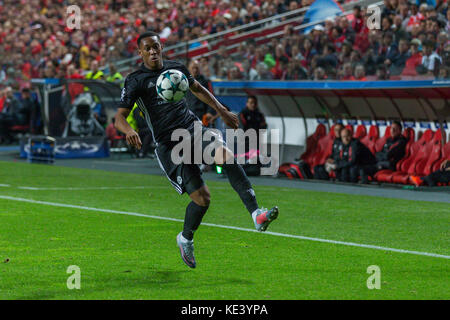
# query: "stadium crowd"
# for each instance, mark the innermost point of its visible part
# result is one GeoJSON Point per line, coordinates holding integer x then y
{"type": "Point", "coordinates": [35, 40]}
{"type": "Point", "coordinates": [413, 41]}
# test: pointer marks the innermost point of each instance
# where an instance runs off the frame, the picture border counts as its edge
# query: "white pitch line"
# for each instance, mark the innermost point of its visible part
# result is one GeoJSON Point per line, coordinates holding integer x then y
{"type": "Point", "coordinates": [94, 188]}
{"type": "Point", "coordinates": [352, 244]}
{"type": "Point", "coordinates": [86, 188]}
{"type": "Point", "coordinates": [117, 188]}
{"type": "Point", "coordinates": [4, 185]}
{"type": "Point", "coordinates": [124, 163]}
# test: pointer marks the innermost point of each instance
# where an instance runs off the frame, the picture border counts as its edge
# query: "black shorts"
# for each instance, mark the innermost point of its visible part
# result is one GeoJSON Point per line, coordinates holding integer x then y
{"type": "Point", "coordinates": [185, 177]}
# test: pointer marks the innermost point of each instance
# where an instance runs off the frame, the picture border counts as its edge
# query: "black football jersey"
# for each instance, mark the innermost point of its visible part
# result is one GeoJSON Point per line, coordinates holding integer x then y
{"type": "Point", "coordinates": [161, 116]}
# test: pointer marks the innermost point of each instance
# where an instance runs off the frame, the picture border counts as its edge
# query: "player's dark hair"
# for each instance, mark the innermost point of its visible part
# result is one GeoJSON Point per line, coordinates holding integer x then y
{"type": "Point", "coordinates": [147, 34]}
{"type": "Point", "coordinates": [398, 123]}
{"type": "Point", "coordinates": [254, 99]}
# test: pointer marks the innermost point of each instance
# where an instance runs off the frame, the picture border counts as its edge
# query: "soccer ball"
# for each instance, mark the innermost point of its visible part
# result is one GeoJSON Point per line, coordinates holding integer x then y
{"type": "Point", "coordinates": [172, 85]}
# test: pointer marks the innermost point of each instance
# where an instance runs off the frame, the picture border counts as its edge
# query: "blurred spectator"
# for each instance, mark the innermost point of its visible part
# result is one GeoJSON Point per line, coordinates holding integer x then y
{"type": "Point", "coordinates": [261, 72]}
{"type": "Point", "coordinates": [393, 150]}
{"type": "Point", "coordinates": [319, 74]}
{"type": "Point", "coordinates": [328, 60]}
{"type": "Point", "coordinates": [397, 64]}
{"type": "Point", "coordinates": [358, 21]}
{"type": "Point", "coordinates": [431, 61]}
{"type": "Point", "coordinates": [347, 72]}
{"type": "Point", "coordinates": [29, 111]}
{"type": "Point", "coordinates": [382, 74]}
{"type": "Point", "coordinates": [9, 115]}
{"type": "Point", "coordinates": [252, 118]}
{"type": "Point", "coordinates": [352, 156]}
{"type": "Point", "coordinates": [2, 76]}
{"type": "Point", "coordinates": [388, 50]}
{"type": "Point", "coordinates": [414, 60]}
{"type": "Point", "coordinates": [198, 107]}
{"type": "Point", "coordinates": [114, 75]}
{"type": "Point", "coordinates": [360, 73]}
{"type": "Point", "coordinates": [95, 73]}
{"type": "Point", "coordinates": [319, 171]}
{"type": "Point", "coordinates": [444, 74]}
{"type": "Point", "coordinates": [398, 28]}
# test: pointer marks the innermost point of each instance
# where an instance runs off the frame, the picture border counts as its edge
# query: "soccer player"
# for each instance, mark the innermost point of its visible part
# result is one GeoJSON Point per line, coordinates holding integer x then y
{"type": "Point", "coordinates": [163, 118]}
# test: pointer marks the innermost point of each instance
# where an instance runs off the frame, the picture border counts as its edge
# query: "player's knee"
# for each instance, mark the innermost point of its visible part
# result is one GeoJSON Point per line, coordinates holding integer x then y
{"type": "Point", "coordinates": [201, 197]}
{"type": "Point", "coordinates": [204, 200]}
{"type": "Point", "coordinates": [223, 155]}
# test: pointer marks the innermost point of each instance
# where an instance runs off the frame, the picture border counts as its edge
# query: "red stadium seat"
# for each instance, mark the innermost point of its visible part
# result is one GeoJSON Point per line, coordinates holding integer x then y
{"type": "Point", "coordinates": [325, 145]}
{"type": "Point", "coordinates": [382, 141]}
{"type": "Point", "coordinates": [386, 175]}
{"type": "Point", "coordinates": [418, 151]}
{"type": "Point", "coordinates": [370, 139]}
{"type": "Point", "coordinates": [431, 157]}
{"type": "Point", "coordinates": [312, 143]}
{"type": "Point", "coordinates": [361, 132]}
{"type": "Point", "coordinates": [445, 156]}
{"type": "Point", "coordinates": [410, 136]}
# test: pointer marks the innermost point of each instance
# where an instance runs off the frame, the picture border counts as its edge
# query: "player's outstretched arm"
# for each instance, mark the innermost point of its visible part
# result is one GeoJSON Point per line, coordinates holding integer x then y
{"type": "Point", "coordinates": [123, 126]}
{"type": "Point", "coordinates": [207, 97]}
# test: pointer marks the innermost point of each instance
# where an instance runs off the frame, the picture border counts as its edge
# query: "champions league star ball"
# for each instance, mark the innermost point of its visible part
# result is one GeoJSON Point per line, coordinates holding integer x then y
{"type": "Point", "coordinates": [172, 85]}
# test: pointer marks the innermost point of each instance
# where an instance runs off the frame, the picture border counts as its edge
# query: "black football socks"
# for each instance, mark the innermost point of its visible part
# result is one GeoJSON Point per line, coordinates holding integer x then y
{"type": "Point", "coordinates": [192, 219]}
{"type": "Point", "coordinates": [240, 183]}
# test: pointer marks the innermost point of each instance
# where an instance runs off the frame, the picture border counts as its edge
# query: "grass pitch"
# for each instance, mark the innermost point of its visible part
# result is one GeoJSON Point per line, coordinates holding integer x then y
{"type": "Point", "coordinates": [132, 257]}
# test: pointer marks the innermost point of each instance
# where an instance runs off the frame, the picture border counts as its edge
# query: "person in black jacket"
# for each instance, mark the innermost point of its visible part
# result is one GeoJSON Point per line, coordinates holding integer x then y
{"type": "Point", "coordinates": [28, 113]}
{"type": "Point", "coordinates": [10, 115]}
{"type": "Point", "coordinates": [393, 150]}
{"type": "Point", "coordinates": [319, 170]}
{"type": "Point", "coordinates": [352, 156]}
{"type": "Point", "coordinates": [252, 118]}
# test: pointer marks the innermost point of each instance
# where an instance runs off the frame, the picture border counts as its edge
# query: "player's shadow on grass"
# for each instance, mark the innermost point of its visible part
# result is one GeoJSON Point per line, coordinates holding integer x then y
{"type": "Point", "coordinates": [170, 279]}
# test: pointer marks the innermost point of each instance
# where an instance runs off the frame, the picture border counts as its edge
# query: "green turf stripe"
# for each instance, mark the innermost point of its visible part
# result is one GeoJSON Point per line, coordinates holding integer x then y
{"type": "Point", "coordinates": [435, 255]}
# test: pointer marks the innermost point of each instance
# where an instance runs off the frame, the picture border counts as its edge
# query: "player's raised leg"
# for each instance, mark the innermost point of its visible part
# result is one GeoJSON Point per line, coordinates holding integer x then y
{"type": "Point", "coordinates": [241, 184]}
